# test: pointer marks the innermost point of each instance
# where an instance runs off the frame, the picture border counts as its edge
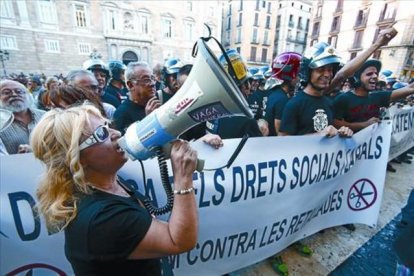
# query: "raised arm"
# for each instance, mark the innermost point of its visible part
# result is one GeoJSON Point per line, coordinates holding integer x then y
{"type": "Point", "coordinates": [402, 92]}
{"type": "Point", "coordinates": [353, 65]}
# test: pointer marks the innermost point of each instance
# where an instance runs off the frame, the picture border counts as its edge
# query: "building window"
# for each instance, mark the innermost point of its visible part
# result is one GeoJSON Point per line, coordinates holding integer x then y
{"type": "Point", "coordinates": [112, 22]}
{"type": "Point", "coordinates": [144, 23]}
{"type": "Point", "coordinates": [47, 12]}
{"type": "Point", "coordinates": [166, 28]}
{"type": "Point", "coordinates": [253, 53]}
{"type": "Point", "coordinates": [128, 21]}
{"type": "Point", "coordinates": [241, 5]}
{"type": "Point", "coordinates": [228, 37]}
{"type": "Point", "coordinates": [332, 40]}
{"type": "Point", "coordinates": [6, 9]}
{"type": "Point", "coordinates": [291, 23]}
{"type": "Point", "coordinates": [189, 6]}
{"type": "Point", "coordinates": [269, 7]}
{"type": "Point", "coordinates": [238, 49]}
{"type": "Point", "coordinates": [339, 5]}
{"type": "Point", "coordinates": [300, 22]}
{"type": "Point", "coordinates": [229, 10]}
{"type": "Point", "coordinates": [293, 4]}
{"type": "Point", "coordinates": [254, 37]}
{"type": "Point", "coordinates": [289, 34]}
{"type": "Point", "coordinates": [389, 11]}
{"type": "Point", "coordinates": [278, 21]}
{"type": "Point", "coordinates": [52, 46]}
{"type": "Point", "coordinates": [188, 30]}
{"type": "Point", "coordinates": [319, 11]}
{"type": "Point", "coordinates": [80, 16]}
{"type": "Point", "coordinates": [268, 22]}
{"type": "Point", "coordinates": [256, 19]}
{"type": "Point", "coordinates": [84, 48]}
{"type": "Point", "coordinates": [315, 30]}
{"type": "Point", "coordinates": [307, 24]}
{"type": "Point", "coordinates": [240, 19]}
{"type": "Point", "coordinates": [257, 5]}
{"type": "Point", "coordinates": [264, 4]}
{"type": "Point", "coordinates": [8, 42]}
{"type": "Point", "coordinates": [335, 24]}
{"type": "Point", "coordinates": [297, 36]}
{"type": "Point", "coordinates": [211, 11]}
{"type": "Point", "coordinates": [238, 35]}
{"type": "Point", "coordinates": [362, 18]}
{"type": "Point", "coordinates": [266, 37]}
{"type": "Point", "coordinates": [228, 23]}
{"type": "Point", "coordinates": [358, 39]}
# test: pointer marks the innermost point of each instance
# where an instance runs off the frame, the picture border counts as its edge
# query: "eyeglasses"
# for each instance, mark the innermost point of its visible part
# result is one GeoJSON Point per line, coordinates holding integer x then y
{"type": "Point", "coordinates": [145, 81]}
{"type": "Point", "coordinates": [9, 92]}
{"type": "Point", "coordinates": [100, 134]}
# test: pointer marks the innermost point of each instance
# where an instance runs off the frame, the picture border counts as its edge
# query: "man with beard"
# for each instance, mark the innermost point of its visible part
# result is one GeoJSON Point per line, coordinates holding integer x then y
{"type": "Point", "coordinates": [16, 98]}
{"type": "Point", "coordinates": [170, 71]}
{"type": "Point", "coordinates": [359, 108]}
{"type": "Point", "coordinates": [141, 101]}
{"type": "Point", "coordinates": [310, 111]}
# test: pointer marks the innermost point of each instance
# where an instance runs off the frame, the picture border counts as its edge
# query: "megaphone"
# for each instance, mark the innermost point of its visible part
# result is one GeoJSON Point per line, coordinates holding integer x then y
{"type": "Point", "coordinates": [209, 93]}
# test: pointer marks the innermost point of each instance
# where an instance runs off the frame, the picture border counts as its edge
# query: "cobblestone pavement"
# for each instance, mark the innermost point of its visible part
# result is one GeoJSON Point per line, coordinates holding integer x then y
{"type": "Point", "coordinates": [339, 251]}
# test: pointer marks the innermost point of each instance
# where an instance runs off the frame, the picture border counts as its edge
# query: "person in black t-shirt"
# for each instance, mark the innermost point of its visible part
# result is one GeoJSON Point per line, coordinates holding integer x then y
{"type": "Point", "coordinates": [360, 108]}
{"type": "Point", "coordinates": [236, 126]}
{"type": "Point", "coordinates": [116, 85]}
{"type": "Point", "coordinates": [285, 69]}
{"type": "Point", "coordinates": [142, 100]}
{"type": "Point", "coordinates": [309, 111]}
{"type": "Point", "coordinates": [108, 231]}
{"type": "Point", "coordinates": [169, 73]}
{"type": "Point", "coordinates": [319, 75]}
{"type": "Point", "coordinates": [101, 73]}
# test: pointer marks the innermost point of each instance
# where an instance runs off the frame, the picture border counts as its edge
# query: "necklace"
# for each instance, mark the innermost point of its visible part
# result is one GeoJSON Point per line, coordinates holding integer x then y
{"type": "Point", "coordinates": [119, 190]}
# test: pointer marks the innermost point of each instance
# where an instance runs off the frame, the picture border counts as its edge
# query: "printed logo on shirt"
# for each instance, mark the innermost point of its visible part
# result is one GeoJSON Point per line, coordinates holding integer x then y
{"type": "Point", "coordinates": [320, 120]}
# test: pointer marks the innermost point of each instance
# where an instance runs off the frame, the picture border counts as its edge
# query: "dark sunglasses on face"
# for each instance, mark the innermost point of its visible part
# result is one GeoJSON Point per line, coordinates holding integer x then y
{"type": "Point", "coordinates": [100, 134]}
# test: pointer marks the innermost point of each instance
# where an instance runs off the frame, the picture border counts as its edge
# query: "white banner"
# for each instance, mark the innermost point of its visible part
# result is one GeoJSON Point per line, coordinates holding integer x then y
{"type": "Point", "coordinates": [402, 137]}
{"type": "Point", "coordinates": [278, 190]}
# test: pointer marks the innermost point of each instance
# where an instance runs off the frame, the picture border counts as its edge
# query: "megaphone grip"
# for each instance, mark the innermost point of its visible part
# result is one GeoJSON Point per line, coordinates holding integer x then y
{"type": "Point", "coordinates": [200, 165]}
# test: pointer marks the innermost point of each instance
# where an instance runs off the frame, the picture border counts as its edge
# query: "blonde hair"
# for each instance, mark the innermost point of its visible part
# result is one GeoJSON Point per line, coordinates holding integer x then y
{"type": "Point", "coordinates": [55, 141]}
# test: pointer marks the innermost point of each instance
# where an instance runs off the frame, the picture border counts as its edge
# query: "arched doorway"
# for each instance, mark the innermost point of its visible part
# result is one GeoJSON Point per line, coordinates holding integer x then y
{"type": "Point", "coordinates": [128, 57]}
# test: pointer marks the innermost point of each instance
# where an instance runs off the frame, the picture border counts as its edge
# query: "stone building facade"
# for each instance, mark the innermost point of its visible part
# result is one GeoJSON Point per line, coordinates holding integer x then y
{"type": "Point", "coordinates": [54, 37]}
{"type": "Point", "coordinates": [352, 26]}
{"type": "Point", "coordinates": [260, 30]}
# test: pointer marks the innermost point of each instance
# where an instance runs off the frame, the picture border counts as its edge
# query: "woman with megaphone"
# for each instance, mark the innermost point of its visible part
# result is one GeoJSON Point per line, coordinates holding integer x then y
{"type": "Point", "coordinates": [108, 231]}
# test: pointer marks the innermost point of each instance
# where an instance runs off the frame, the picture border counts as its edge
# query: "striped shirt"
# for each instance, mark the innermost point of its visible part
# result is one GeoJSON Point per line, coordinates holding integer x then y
{"type": "Point", "coordinates": [17, 133]}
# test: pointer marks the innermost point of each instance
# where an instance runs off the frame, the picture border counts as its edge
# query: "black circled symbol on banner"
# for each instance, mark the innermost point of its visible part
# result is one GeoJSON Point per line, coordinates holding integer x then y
{"type": "Point", "coordinates": [362, 196]}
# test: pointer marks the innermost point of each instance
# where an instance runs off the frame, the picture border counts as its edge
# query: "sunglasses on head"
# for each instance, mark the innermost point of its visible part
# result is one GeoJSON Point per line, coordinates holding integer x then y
{"type": "Point", "coordinates": [100, 134]}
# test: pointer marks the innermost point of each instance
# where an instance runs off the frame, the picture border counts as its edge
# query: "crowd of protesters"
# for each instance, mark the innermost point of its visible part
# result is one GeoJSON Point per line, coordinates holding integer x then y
{"type": "Point", "coordinates": [309, 94]}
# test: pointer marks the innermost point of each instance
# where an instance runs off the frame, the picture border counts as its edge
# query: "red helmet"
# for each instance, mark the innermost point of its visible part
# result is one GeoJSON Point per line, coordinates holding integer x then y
{"type": "Point", "coordinates": [286, 66]}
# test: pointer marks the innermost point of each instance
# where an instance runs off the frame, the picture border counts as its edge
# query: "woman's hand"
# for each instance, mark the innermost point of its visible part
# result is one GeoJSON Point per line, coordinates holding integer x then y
{"type": "Point", "coordinates": [183, 159]}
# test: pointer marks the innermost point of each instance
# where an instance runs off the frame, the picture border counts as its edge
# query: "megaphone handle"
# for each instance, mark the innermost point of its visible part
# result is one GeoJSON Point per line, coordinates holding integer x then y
{"type": "Point", "coordinates": [167, 151]}
{"type": "Point", "coordinates": [200, 165]}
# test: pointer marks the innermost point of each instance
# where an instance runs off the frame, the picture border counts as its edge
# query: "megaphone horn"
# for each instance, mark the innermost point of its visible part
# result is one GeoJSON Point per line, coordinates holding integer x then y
{"type": "Point", "coordinates": [208, 93]}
